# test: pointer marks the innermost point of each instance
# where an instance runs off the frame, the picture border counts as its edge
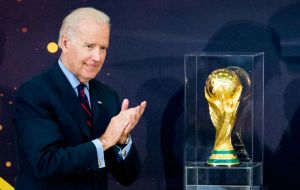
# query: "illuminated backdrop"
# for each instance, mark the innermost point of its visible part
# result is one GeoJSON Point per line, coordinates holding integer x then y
{"type": "Point", "coordinates": [145, 61]}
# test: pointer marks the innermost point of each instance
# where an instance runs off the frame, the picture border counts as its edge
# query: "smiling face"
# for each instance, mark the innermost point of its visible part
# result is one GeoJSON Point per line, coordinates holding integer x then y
{"type": "Point", "coordinates": [84, 52]}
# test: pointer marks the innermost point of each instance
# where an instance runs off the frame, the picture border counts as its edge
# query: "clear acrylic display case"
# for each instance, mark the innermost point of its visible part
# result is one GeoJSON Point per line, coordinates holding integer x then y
{"type": "Point", "coordinates": [247, 133]}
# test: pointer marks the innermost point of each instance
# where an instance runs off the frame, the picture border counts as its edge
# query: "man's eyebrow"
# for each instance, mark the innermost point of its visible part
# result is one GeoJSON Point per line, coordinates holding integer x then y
{"type": "Point", "coordinates": [88, 43]}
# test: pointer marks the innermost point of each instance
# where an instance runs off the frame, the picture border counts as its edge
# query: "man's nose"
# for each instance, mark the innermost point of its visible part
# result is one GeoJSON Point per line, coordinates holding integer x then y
{"type": "Point", "coordinates": [96, 56]}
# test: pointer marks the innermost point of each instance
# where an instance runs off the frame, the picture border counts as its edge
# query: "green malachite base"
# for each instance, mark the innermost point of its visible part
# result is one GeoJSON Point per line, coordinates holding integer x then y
{"type": "Point", "coordinates": [223, 152]}
{"type": "Point", "coordinates": [227, 158]}
{"type": "Point", "coordinates": [223, 162]}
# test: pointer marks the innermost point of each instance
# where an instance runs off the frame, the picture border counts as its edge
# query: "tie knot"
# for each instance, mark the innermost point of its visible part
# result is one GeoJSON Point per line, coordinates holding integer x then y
{"type": "Point", "coordinates": [80, 87]}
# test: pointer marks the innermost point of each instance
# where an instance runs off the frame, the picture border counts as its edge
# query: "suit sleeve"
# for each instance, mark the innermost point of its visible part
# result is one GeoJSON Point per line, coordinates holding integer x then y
{"type": "Point", "coordinates": [42, 144]}
{"type": "Point", "coordinates": [124, 171]}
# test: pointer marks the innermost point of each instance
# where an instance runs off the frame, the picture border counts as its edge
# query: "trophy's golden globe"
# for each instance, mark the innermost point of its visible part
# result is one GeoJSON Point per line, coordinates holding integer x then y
{"type": "Point", "coordinates": [223, 91]}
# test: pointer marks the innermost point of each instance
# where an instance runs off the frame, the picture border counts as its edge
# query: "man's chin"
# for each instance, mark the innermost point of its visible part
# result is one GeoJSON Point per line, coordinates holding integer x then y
{"type": "Point", "coordinates": [89, 77]}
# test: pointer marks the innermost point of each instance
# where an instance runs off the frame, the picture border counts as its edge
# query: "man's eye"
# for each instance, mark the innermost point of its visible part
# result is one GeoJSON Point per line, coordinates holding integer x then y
{"type": "Point", "coordinates": [90, 46]}
{"type": "Point", "coordinates": [103, 48]}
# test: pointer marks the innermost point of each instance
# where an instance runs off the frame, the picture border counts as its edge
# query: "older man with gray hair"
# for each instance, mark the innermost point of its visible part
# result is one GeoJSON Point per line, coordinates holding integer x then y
{"type": "Point", "coordinates": [71, 129]}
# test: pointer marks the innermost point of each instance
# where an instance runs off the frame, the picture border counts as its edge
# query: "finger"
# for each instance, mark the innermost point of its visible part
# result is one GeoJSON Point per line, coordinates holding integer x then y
{"type": "Point", "coordinates": [141, 109]}
{"type": "Point", "coordinates": [143, 106]}
{"type": "Point", "coordinates": [132, 114]}
{"type": "Point", "coordinates": [128, 129]}
{"type": "Point", "coordinates": [124, 119]}
{"type": "Point", "coordinates": [144, 103]}
{"type": "Point", "coordinates": [125, 104]}
{"type": "Point", "coordinates": [134, 118]}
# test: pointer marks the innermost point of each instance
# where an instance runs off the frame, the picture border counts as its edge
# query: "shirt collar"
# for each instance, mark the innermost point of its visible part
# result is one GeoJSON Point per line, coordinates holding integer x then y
{"type": "Point", "coordinates": [71, 76]}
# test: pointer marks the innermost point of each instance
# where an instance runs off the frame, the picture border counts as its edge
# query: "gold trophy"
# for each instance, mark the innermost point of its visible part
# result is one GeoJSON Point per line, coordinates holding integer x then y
{"type": "Point", "coordinates": [223, 90]}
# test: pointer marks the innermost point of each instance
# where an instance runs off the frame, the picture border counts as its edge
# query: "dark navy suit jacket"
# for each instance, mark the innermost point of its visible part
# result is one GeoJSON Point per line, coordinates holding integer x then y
{"type": "Point", "coordinates": [54, 143]}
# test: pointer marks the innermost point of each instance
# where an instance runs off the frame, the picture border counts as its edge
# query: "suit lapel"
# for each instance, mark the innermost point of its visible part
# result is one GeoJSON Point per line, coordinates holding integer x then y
{"type": "Point", "coordinates": [100, 114]}
{"type": "Point", "coordinates": [69, 99]}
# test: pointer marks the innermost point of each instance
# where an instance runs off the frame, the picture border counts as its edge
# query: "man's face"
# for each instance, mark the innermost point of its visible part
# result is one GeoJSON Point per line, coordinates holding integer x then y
{"type": "Point", "coordinates": [84, 53]}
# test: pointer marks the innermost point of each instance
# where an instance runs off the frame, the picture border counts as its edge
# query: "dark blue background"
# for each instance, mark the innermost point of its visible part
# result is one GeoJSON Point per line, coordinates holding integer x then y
{"type": "Point", "coordinates": [145, 62]}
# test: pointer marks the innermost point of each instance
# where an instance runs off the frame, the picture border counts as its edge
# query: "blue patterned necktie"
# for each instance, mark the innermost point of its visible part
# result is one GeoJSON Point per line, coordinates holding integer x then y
{"type": "Point", "coordinates": [84, 104]}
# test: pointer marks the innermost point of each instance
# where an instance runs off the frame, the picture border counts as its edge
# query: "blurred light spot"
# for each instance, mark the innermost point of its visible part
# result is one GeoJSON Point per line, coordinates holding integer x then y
{"type": "Point", "coordinates": [8, 164]}
{"type": "Point", "coordinates": [15, 88]}
{"type": "Point", "coordinates": [107, 74]}
{"type": "Point", "coordinates": [52, 47]}
{"type": "Point", "coordinates": [19, 1]}
{"type": "Point", "coordinates": [1, 94]}
{"type": "Point", "coordinates": [10, 102]}
{"type": "Point", "coordinates": [24, 29]}
{"type": "Point", "coordinates": [1, 127]}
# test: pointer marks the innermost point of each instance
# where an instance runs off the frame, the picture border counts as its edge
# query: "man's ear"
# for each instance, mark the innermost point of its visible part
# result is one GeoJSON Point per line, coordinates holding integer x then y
{"type": "Point", "coordinates": [65, 42]}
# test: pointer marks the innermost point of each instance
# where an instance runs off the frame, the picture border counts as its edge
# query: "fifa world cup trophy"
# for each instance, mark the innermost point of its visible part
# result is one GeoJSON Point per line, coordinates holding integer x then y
{"type": "Point", "coordinates": [223, 90]}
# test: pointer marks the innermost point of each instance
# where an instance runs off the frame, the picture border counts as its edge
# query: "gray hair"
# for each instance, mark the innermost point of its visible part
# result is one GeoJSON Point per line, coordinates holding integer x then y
{"type": "Point", "coordinates": [71, 21]}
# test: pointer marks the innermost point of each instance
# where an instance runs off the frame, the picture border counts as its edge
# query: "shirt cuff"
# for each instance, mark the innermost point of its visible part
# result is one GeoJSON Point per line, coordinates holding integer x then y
{"type": "Point", "coordinates": [123, 152]}
{"type": "Point", "coordinates": [100, 153]}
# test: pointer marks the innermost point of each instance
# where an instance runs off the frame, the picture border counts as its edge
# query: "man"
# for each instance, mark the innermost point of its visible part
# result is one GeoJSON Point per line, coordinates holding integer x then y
{"type": "Point", "coordinates": [71, 129]}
